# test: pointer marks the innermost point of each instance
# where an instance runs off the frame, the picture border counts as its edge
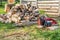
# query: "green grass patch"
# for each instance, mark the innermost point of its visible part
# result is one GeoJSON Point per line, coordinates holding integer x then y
{"type": "Point", "coordinates": [2, 10]}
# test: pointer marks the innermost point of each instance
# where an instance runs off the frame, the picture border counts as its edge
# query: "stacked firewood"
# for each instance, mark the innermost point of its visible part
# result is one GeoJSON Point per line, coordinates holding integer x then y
{"type": "Point", "coordinates": [20, 12]}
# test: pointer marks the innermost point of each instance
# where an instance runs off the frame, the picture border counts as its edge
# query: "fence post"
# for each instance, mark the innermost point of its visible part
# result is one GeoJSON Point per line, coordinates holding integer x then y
{"type": "Point", "coordinates": [20, 1]}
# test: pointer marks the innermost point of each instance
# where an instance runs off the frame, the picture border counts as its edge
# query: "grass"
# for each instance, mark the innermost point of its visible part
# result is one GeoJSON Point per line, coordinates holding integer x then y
{"type": "Point", "coordinates": [1, 10]}
{"type": "Point", "coordinates": [2, 7]}
{"type": "Point", "coordinates": [32, 31]}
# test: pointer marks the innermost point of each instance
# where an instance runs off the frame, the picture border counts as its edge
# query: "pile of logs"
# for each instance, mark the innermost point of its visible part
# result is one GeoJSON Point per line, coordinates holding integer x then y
{"type": "Point", "coordinates": [20, 12]}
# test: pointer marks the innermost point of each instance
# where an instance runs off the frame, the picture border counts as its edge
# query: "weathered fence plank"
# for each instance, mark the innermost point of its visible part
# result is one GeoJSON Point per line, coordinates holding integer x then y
{"type": "Point", "coordinates": [48, 2]}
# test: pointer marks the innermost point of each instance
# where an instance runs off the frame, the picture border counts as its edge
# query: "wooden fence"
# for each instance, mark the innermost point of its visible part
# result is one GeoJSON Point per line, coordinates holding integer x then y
{"type": "Point", "coordinates": [50, 7]}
